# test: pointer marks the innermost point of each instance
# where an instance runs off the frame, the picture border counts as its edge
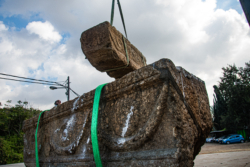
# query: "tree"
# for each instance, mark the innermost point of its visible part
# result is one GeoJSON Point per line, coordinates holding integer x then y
{"type": "Point", "coordinates": [11, 134]}
{"type": "Point", "coordinates": [232, 98]}
{"type": "Point", "coordinates": [219, 108]}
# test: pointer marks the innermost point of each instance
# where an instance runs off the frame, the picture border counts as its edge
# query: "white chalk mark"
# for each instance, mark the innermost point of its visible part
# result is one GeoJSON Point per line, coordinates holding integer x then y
{"type": "Point", "coordinates": [182, 86]}
{"type": "Point", "coordinates": [121, 140]}
{"type": "Point", "coordinates": [88, 140]}
{"type": "Point", "coordinates": [75, 105]}
{"type": "Point", "coordinates": [69, 125]}
{"type": "Point", "coordinates": [125, 128]}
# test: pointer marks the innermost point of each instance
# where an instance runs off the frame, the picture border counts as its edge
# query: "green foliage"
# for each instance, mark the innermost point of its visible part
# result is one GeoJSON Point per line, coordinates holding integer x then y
{"type": "Point", "coordinates": [11, 151]}
{"type": "Point", "coordinates": [11, 134]}
{"type": "Point", "coordinates": [232, 99]}
{"type": "Point", "coordinates": [219, 107]}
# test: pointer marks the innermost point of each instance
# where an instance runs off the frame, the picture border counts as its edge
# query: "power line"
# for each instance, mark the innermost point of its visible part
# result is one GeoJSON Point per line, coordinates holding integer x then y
{"type": "Point", "coordinates": [30, 81]}
{"type": "Point", "coordinates": [43, 82]}
{"type": "Point", "coordinates": [28, 78]}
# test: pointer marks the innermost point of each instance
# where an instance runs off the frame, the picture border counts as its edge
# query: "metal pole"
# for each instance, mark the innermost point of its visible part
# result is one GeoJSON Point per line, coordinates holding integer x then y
{"type": "Point", "coordinates": [68, 89]}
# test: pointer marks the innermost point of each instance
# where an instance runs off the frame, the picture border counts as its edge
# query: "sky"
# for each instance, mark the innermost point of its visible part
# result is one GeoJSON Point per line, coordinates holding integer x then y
{"type": "Point", "coordinates": [40, 39]}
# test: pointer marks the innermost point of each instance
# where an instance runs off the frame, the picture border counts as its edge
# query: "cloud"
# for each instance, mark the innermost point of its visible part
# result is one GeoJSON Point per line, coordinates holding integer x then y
{"type": "Point", "coordinates": [2, 27]}
{"type": "Point", "coordinates": [30, 55]}
{"type": "Point", "coordinates": [194, 34]}
{"type": "Point", "coordinates": [45, 31]}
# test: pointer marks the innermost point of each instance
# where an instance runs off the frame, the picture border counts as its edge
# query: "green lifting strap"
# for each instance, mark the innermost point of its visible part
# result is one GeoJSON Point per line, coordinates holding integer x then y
{"type": "Point", "coordinates": [112, 15]}
{"type": "Point", "coordinates": [112, 12]}
{"type": "Point", "coordinates": [120, 9]}
{"type": "Point", "coordinates": [36, 147]}
{"type": "Point", "coordinates": [123, 22]}
{"type": "Point", "coordinates": [94, 122]}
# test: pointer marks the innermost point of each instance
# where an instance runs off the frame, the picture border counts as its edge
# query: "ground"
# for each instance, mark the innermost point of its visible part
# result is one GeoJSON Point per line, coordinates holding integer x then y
{"type": "Point", "coordinates": [213, 155]}
{"type": "Point", "coordinates": [224, 155]}
{"type": "Point", "coordinates": [209, 148]}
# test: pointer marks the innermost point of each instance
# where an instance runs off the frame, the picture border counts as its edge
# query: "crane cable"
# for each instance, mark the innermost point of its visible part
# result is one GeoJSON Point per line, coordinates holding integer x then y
{"type": "Point", "coordinates": [124, 42]}
{"type": "Point", "coordinates": [112, 15]}
{"type": "Point", "coordinates": [123, 22]}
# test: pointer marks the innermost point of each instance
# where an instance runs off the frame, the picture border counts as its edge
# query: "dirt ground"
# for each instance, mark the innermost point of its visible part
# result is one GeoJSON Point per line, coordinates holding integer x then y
{"type": "Point", "coordinates": [226, 159]}
{"type": "Point", "coordinates": [223, 155]}
{"type": "Point", "coordinates": [213, 155]}
{"type": "Point", "coordinates": [210, 148]}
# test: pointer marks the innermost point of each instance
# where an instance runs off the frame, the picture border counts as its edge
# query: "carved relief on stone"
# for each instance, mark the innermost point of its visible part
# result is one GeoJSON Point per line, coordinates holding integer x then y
{"type": "Point", "coordinates": [133, 123]}
{"type": "Point", "coordinates": [66, 137]}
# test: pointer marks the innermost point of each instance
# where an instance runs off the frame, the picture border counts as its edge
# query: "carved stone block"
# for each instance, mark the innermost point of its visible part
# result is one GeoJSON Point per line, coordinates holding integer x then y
{"type": "Point", "coordinates": [156, 116]}
{"type": "Point", "coordinates": [104, 47]}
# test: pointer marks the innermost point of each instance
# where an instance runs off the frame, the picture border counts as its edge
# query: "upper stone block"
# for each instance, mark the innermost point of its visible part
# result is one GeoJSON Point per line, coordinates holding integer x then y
{"type": "Point", "coordinates": [104, 48]}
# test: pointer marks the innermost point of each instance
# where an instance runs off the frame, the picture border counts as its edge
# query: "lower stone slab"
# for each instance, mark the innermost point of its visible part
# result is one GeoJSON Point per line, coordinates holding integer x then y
{"type": "Point", "coordinates": [130, 163]}
{"type": "Point", "coordinates": [142, 158]}
{"type": "Point", "coordinates": [156, 116]}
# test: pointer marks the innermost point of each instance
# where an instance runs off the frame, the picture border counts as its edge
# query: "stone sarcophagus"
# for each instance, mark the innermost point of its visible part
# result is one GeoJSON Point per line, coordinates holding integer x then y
{"type": "Point", "coordinates": [158, 115]}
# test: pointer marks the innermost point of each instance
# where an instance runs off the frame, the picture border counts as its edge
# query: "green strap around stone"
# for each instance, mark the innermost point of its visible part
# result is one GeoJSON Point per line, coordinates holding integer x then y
{"type": "Point", "coordinates": [36, 146]}
{"type": "Point", "coordinates": [94, 125]}
{"type": "Point", "coordinates": [94, 130]}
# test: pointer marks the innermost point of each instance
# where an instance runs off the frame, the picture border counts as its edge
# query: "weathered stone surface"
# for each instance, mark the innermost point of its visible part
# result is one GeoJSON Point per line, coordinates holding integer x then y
{"type": "Point", "coordinates": [103, 46]}
{"type": "Point", "coordinates": [155, 116]}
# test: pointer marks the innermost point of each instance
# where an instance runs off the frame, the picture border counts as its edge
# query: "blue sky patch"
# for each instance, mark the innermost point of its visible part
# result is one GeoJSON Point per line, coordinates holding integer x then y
{"type": "Point", "coordinates": [15, 21]}
{"type": "Point", "coordinates": [41, 67]}
{"type": "Point", "coordinates": [18, 21]}
{"type": "Point", "coordinates": [229, 4]}
{"type": "Point", "coordinates": [1, 2]}
{"type": "Point", "coordinates": [53, 78]}
{"type": "Point", "coordinates": [65, 37]}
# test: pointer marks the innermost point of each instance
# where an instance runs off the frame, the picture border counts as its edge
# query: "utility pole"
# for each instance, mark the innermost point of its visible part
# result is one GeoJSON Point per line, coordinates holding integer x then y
{"type": "Point", "coordinates": [66, 86]}
{"type": "Point", "coordinates": [68, 89]}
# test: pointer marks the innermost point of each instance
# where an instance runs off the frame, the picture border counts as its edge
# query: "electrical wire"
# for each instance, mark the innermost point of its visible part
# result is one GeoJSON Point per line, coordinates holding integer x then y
{"type": "Point", "coordinates": [43, 82]}
{"type": "Point", "coordinates": [30, 81]}
{"type": "Point", "coordinates": [28, 78]}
